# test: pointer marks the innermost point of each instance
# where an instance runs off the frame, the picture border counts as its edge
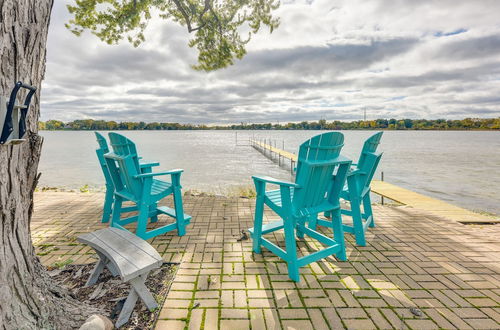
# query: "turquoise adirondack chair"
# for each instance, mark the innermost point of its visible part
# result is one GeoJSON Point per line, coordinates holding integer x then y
{"type": "Point", "coordinates": [132, 184]}
{"type": "Point", "coordinates": [358, 190]}
{"type": "Point", "coordinates": [110, 187]}
{"type": "Point", "coordinates": [296, 202]}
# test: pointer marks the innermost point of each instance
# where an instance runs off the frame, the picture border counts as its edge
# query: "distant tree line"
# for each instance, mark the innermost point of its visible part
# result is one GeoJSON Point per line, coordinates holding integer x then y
{"type": "Point", "coordinates": [390, 124]}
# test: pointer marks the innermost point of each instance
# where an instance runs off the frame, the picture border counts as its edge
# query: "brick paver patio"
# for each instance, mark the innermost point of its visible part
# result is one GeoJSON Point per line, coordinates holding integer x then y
{"type": "Point", "coordinates": [449, 271]}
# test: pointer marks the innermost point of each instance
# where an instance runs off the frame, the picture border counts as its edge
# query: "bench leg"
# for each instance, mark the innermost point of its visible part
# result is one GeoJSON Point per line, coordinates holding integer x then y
{"type": "Point", "coordinates": [97, 270]}
{"type": "Point", "coordinates": [112, 269]}
{"type": "Point", "coordinates": [140, 288]}
{"type": "Point", "coordinates": [107, 264]}
{"type": "Point", "coordinates": [127, 309]}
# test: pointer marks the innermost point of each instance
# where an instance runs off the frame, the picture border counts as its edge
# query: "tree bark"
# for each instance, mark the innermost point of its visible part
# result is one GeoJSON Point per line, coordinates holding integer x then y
{"type": "Point", "coordinates": [29, 299]}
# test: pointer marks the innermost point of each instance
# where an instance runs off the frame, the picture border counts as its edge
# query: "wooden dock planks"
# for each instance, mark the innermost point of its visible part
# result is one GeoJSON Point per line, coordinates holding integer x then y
{"type": "Point", "coordinates": [432, 205]}
{"type": "Point", "coordinates": [406, 197]}
{"type": "Point", "coordinates": [282, 153]}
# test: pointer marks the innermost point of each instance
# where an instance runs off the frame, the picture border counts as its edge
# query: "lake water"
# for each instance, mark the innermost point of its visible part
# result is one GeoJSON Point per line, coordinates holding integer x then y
{"type": "Point", "coordinates": [459, 167]}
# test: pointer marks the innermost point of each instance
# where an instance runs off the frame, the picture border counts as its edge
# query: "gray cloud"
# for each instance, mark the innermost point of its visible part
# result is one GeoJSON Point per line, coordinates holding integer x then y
{"type": "Point", "coordinates": [393, 58]}
{"type": "Point", "coordinates": [471, 48]}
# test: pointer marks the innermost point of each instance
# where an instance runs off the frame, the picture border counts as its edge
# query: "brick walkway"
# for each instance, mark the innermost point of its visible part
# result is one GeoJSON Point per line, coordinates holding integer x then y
{"type": "Point", "coordinates": [449, 271]}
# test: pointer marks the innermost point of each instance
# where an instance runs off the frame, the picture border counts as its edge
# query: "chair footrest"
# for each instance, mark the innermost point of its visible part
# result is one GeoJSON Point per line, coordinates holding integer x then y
{"type": "Point", "coordinates": [325, 223]}
{"type": "Point", "coordinates": [171, 212]}
{"type": "Point", "coordinates": [315, 256]}
{"type": "Point", "coordinates": [270, 227]}
{"type": "Point", "coordinates": [365, 224]}
{"type": "Point", "coordinates": [349, 213]}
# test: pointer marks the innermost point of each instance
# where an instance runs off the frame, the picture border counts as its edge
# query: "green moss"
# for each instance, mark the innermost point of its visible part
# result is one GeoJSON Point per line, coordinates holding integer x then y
{"type": "Point", "coordinates": [85, 188]}
{"type": "Point", "coordinates": [61, 264]}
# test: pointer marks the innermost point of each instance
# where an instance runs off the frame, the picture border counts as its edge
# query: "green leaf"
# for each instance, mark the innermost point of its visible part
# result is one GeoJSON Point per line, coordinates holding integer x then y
{"type": "Point", "coordinates": [215, 24]}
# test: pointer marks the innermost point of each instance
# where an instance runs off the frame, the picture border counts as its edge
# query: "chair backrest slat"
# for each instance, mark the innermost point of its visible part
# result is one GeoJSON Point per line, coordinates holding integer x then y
{"type": "Point", "coordinates": [370, 146]}
{"type": "Point", "coordinates": [124, 165]}
{"type": "Point", "coordinates": [369, 159]}
{"type": "Point", "coordinates": [101, 151]}
{"type": "Point", "coordinates": [315, 166]}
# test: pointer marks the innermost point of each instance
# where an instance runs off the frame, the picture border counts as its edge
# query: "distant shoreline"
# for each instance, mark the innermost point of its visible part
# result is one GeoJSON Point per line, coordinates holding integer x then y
{"type": "Point", "coordinates": [324, 129]}
{"type": "Point", "coordinates": [467, 124]}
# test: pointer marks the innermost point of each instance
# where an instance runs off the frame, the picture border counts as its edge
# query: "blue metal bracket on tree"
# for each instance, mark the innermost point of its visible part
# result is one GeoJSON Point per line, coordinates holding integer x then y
{"type": "Point", "coordinates": [13, 115]}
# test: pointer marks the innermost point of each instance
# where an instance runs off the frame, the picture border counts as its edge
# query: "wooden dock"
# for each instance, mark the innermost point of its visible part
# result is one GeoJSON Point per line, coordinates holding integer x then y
{"type": "Point", "coordinates": [432, 205]}
{"type": "Point", "coordinates": [269, 151]}
{"type": "Point", "coordinates": [277, 151]}
{"type": "Point", "coordinates": [393, 192]}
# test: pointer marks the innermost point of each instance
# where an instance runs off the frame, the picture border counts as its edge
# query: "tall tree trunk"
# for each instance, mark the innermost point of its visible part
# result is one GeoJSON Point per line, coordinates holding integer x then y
{"type": "Point", "coordinates": [29, 299]}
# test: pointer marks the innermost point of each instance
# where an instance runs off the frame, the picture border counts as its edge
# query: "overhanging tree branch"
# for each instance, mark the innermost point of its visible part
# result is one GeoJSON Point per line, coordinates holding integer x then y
{"type": "Point", "coordinates": [215, 23]}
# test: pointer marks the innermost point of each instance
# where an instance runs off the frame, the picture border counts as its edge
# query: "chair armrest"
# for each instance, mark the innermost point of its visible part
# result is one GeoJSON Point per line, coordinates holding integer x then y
{"type": "Point", "coordinates": [144, 164]}
{"type": "Point", "coordinates": [356, 172]}
{"type": "Point", "coordinates": [343, 160]}
{"type": "Point", "coordinates": [149, 175]}
{"type": "Point", "coordinates": [112, 155]}
{"type": "Point", "coordinates": [268, 179]}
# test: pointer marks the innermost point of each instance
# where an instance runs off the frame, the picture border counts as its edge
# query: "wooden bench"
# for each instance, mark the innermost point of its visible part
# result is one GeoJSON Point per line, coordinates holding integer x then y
{"type": "Point", "coordinates": [128, 256]}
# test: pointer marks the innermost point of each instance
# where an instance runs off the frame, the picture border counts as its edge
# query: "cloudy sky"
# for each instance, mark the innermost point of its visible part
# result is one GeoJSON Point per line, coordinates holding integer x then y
{"type": "Point", "coordinates": [328, 60]}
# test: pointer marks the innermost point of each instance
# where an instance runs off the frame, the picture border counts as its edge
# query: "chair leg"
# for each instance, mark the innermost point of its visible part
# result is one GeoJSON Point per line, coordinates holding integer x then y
{"type": "Point", "coordinates": [357, 222]}
{"type": "Point", "coordinates": [142, 220]}
{"type": "Point", "coordinates": [153, 208]}
{"type": "Point", "coordinates": [117, 208]}
{"type": "Point", "coordinates": [257, 224]}
{"type": "Point", "coordinates": [291, 250]}
{"type": "Point", "coordinates": [302, 221]}
{"type": "Point", "coordinates": [108, 205]}
{"type": "Point", "coordinates": [179, 212]}
{"type": "Point", "coordinates": [338, 234]}
{"type": "Point", "coordinates": [367, 207]}
{"type": "Point", "coordinates": [327, 214]}
{"type": "Point", "coordinates": [313, 222]}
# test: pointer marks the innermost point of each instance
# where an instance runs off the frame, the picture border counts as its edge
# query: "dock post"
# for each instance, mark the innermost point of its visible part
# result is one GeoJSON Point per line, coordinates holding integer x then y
{"type": "Point", "coordinates": [274, 149]}
{"type": "Point", "coordinates": [382, 177]}
{"type": "Point", "coordinates": [271, 148]}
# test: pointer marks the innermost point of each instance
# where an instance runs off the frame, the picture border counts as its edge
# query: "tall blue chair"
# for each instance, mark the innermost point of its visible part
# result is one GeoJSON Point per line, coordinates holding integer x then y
{"type": "Point", "coordinates": [296, 202]}
{"type": "Point", "coordinates": [358, 191]}
{"type": "Point", "coordinates": [133, 185]}
{"type": "Point", "coordinates": [110, 188]}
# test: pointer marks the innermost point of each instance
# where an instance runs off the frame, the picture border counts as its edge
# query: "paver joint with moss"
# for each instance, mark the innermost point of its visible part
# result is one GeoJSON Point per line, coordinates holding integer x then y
{"type": "Point", "coordinates": [414, 261]}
